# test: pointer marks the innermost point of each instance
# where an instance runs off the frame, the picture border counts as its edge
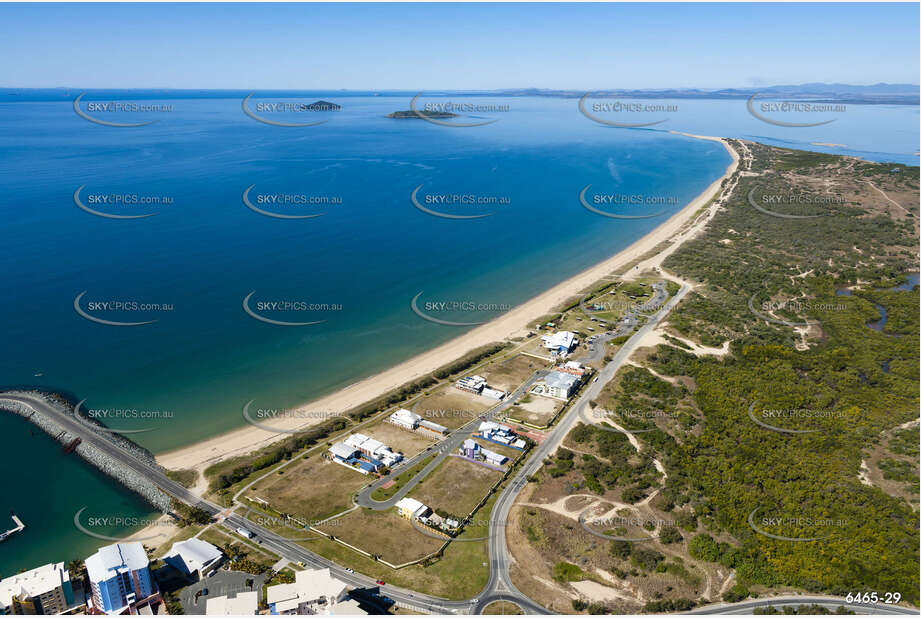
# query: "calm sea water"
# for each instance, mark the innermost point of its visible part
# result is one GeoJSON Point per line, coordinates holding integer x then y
{"type": "Point", "coordinates": [189, 373]}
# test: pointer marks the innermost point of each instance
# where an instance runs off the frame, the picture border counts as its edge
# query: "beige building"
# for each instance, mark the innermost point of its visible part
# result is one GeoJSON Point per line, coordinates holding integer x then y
{"type": "Point", "coordinates": [44, 590]}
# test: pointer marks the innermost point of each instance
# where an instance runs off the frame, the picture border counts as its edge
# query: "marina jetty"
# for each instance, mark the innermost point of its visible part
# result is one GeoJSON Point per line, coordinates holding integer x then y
{"type": "Point", "coordinates": [19, 527]}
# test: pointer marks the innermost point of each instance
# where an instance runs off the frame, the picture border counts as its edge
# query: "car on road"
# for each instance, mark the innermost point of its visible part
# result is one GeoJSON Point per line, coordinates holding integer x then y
{"type": "Point", "coordinates": [381, 582]}
{"type": "Point", "coordinates": [300, 564]}
{"type": "Point", "coordinates": [348, 570]}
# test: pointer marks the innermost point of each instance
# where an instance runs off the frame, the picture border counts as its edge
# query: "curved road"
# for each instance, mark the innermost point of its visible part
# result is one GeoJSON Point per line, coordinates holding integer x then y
{"type": "Point", "coordinates": [500, 584]}
{"type": "Point", "coordinates": [443, 448]}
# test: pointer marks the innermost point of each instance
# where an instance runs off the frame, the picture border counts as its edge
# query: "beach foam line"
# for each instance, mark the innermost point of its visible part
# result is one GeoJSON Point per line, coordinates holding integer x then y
{"type": "Point", "coordinates": [510, 324]}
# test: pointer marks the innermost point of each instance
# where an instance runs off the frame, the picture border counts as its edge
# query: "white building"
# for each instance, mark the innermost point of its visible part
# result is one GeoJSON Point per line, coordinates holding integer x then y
{"type": "Point", "coordinates": [561, 342]}
{"type": "Point", "coordinates": [557, 385]}
{"type": "Point", "coordinates": [245, 603]}
{"type": "Point", "coordinates": [314, 591]}
{"type": "Point", "coordinates": [493, 393]}
{"type": "Point", "coordinates": [43, 590]}
{"type": "Point", "coordinates": [193, 556]}
{"type": "Point", "coordinates": [410, 508]}
{"type": "Point", "coordinates": [405, 419]}
{"type": "Point", "coordinates": [120, 578]}
{"type": "Point", "coordinates": [349, 607]}
{"type": "Point", "coordinates": [501, 434]}
{"type": "Point", "coordinates": [493, 457]}
{"type": "Point", "coordinates": [473, 384]}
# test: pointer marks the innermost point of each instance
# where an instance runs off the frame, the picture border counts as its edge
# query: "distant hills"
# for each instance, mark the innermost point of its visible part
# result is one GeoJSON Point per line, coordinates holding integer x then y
{"type": "Point", "coordinates": [904, 94]}
{"type": "Point", "coordinates": [882, 93]}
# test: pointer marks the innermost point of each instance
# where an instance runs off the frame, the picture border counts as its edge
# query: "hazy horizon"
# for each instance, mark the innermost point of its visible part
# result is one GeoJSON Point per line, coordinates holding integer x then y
{"type": "Point", "coordinates": [450, 46]}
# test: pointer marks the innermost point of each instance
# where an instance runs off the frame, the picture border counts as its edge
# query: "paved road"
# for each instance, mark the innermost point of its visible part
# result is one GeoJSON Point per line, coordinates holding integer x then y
{"type": "Point", "coordinates": [444, 448]}
{"type": "Point", "coordinates": [500, 584]}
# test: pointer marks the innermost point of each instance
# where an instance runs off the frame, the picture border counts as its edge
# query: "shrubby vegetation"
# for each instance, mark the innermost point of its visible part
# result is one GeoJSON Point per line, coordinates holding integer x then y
{"type": "Point", "coordinates": [854, 381]}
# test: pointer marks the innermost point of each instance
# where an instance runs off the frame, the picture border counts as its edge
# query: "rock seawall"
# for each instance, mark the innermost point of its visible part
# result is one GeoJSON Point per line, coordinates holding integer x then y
{"type": "Point", "coordinates": [89, 453]}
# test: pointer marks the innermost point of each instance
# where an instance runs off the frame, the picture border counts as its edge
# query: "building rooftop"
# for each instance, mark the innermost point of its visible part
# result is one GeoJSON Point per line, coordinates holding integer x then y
{"type": "Point", "coordinates": [405, 414]}
{"type": "Point", "coordinates": [32, 583]}
{"type": "Point", "coordinates": [560, 380]}
{"type": "Point", "coordinates": [356, 440]}
{"type": "Point", "coordinates": [341, 450]}
{"type": "Point", "coordinates": [245, 603]}
{"type": "Point", "coordinates": [310, 586]}
{"type": "Point", "coordinates": [114, 559]}
{"type": "Point", "coordinates": [192, 554]}
{"type": "Point", "coordinates": [349, 607]}
{"type": "Point", "coordinates": [410, 504]}
{"type": "Point", "coordinates": [559, 339]}
{"type": "Point", "coordinates": [433, 426]}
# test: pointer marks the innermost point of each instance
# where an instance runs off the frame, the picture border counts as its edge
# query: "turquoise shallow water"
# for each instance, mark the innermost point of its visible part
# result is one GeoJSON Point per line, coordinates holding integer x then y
{"type": "Point", "coordinates": [366, 257]}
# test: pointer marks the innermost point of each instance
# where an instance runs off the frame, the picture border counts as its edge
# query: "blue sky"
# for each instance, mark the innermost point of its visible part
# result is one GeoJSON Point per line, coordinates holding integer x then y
{"type": "Point", "coordinates": [455, 46]}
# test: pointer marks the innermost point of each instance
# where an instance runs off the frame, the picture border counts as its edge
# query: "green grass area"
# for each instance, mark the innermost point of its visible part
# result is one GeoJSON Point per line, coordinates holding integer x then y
{"type": "Point", "coordinates": [461, 573]}
{"type": "Point", "coordinates": [566, 572]}
{"type": "Point", "coordinates": [186, 478]}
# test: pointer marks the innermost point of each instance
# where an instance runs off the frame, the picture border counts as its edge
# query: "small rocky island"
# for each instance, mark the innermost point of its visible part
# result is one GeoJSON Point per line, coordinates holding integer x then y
{"type": "Point", "coordinates": [322, 106]}
{"type": "Point", "coordinates": [415, 114]}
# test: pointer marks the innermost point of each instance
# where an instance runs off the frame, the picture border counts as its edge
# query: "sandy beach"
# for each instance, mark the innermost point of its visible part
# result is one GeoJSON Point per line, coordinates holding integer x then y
{"type": "Point", "coordinates": [511, 324]}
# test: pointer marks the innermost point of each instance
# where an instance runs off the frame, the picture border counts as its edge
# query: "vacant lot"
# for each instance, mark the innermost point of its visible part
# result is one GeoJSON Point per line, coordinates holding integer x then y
{"type": "Point", "coordinates": [512, 372]}
{"type": "Point", "coordinates": [456, 486]}
{"type": "Point", "coordinates": [535, 410]}
{"type": "Point", "coordinates": [452, 407]}
{"type": "Point", "coordinates": [398, 439]}
{"type": "Point", "coordinates": [312, 489]}
{"type": "Point", "coordinates": [383, 533]}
